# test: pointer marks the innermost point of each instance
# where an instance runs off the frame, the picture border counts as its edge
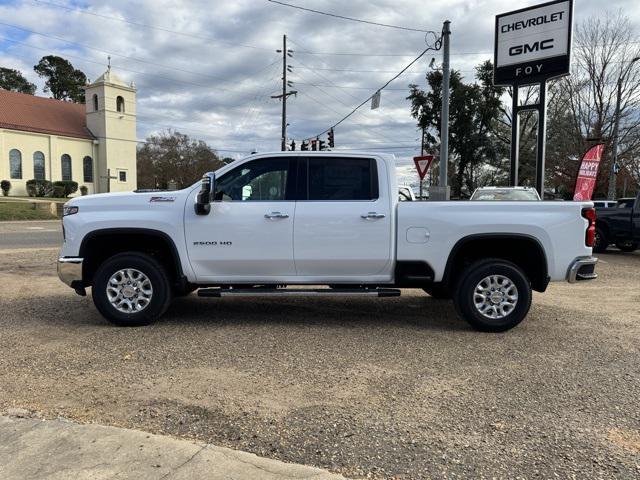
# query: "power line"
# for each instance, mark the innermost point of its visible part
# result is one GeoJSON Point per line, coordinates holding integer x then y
{"type": "Point", "coordinates": [332, 83]}
{"type": "Point", "coordinates": [394, 147]}
{"type": "Point", "coordinates": [436, 47]}
{"type": "Point", "coordinates": [350, 18]}
{"type": "Point", "coordinates": [146, 25]}
{"type": "Point", "coordinates": [388, 54]}
{"type": "Point", "coordinates": [355, 71]}
{"type": "Point", "coordinates": [202, 37]}
{"type": "Point", "coordinates": [347, 54]}
{"type": "Point", "coordinates": [349, 87]}
{"type": "Point", "coordinates": [88, 47]}
{"type": "Point", "coordinates": [84, 60]}
{"type": "Point", "coordinates": [345, 104]}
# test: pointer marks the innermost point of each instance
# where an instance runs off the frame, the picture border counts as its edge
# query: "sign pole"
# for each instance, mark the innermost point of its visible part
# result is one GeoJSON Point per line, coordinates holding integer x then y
{"type": "Point", "coordinates": [541, 140]}
{"type": "Point", "coordinates": [515, 137]}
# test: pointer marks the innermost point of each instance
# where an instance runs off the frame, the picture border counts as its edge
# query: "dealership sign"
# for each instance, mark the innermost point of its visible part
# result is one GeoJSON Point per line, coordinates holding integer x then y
{"type": "Point", "coordinates": [533, 44]}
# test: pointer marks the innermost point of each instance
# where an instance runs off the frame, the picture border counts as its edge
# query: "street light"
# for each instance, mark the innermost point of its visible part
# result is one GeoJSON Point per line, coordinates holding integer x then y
{"type": "Point", "coordinates": [612, 174]}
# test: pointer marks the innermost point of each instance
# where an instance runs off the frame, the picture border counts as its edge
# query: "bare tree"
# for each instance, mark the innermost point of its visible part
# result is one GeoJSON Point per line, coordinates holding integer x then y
{"type": "Point", "coordinates": [603, 51]}
{"type": "Point", "coordinates": [172, 157]}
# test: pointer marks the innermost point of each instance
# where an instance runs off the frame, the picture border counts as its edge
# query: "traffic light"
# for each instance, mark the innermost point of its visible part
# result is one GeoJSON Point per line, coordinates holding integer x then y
{"type": "Point", "coordinates": [314, 145]}
{"type": "Point", "coordinates": [304, 146]}
{"type": "Point", "coordinates": [293, 145]}
{"type": "Point", "coordinates": [331, 138]}
{"type": "Point", "coordinates": [321, 145]}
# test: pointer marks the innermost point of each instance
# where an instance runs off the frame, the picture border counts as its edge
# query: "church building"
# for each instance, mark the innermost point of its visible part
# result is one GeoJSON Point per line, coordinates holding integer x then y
{"type": "Point", "coordinates": [93, 144]}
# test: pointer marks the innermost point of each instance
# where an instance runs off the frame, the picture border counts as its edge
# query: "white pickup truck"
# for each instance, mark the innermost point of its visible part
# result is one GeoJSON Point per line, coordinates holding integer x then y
{"type": "Point", "coordinates": [260, 225]}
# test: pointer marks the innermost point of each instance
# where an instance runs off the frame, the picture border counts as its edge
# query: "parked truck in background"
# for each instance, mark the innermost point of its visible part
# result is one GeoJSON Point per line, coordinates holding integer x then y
{"type": "Point", "coordinates": [270, 222]}
{"type": "Point", "coordinates": [619, 225]}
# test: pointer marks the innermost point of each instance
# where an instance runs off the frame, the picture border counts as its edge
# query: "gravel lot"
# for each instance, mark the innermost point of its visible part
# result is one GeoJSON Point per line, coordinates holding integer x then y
{"type": "Point", "coordinates": [389, 388]}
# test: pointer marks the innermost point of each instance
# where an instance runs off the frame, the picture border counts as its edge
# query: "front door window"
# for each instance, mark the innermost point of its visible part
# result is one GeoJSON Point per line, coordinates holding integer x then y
{"type": "Point", "coordinates": [259, 180]}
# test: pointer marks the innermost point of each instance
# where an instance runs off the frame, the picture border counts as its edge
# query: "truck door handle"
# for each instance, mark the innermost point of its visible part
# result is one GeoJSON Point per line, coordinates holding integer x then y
{"type": "Point", "coordinates": [373, 215]}
{"type": "Point", "coordinates": [276, 215]}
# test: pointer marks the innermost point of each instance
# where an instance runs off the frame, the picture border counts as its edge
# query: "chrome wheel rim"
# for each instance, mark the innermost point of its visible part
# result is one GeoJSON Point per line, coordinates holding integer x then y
{"type": "Point", "coordinates": [495, 296]}
{"type": "Point", "coordinates": [129, 290]}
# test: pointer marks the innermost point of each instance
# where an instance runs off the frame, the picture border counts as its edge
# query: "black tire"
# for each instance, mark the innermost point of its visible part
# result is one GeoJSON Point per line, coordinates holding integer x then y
{"type": "Point", "coordinates": [160, 298]}
{"type": "Point", "coordinates": [438, 292]}
{"type": "Point", "coordinates": [627, 246]}
{"type": "Point", "coordinates": [601, 242]}
{"type": "Point", "coordinates": [471, 277]}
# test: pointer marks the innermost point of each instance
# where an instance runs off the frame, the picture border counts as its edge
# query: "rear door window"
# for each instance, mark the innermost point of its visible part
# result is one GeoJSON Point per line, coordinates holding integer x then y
{"type": "Point", "coordinates": [342, 178]}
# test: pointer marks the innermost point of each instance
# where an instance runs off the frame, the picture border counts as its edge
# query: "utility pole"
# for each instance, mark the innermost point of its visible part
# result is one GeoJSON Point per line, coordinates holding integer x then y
{"type": "Point", "coordinates": [611, 195]}
{"type": "Point", "coordinates": [422, 154]}
{"type": "Point", "coordinates": [442, 191]}
{"type": "Point", "coordinates": [444, 141]}
{"type": "Point", "coordinates": [285, 94]}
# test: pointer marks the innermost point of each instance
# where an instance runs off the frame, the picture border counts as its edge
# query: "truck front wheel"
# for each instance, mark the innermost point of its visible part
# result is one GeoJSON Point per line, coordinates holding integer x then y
{"type": "Point", "coordinates": [493, 295]}
{"type": "Point", "coordinates": [131, 289]}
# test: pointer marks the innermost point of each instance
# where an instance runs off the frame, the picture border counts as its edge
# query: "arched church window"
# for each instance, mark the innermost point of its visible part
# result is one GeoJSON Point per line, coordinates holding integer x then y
{"type": "Point", "coordinates": [65, 162]}
{"type": "Point", "coordinates": [15, 163]}
{"type": "Point", "coordinates": [95, 102]}
{"type": "Point", "coordinates": [87, 167]}
{"type": "Point", "coordinates": [38, 166]}
{"type": "Point", "coordinates": [120, 104]}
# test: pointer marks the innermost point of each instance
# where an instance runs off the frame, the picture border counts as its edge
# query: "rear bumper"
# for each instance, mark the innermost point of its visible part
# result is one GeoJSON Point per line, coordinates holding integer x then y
{"type": "Point", "coordinates": [70, 271]}
{"type": "Point", "coordinates": [582, 268]}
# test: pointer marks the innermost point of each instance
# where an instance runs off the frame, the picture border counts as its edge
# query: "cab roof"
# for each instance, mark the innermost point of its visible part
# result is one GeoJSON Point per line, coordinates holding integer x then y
{"type": "Point", "coordinates": [309, 153]}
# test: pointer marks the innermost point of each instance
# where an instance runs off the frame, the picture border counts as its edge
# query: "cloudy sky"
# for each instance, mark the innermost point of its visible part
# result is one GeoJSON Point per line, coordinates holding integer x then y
{"type": "Point", "coordinates": [208, 68]}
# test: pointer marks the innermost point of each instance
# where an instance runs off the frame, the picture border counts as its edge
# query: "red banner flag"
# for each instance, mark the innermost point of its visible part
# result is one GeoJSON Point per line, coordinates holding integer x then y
{"type": "Point", "coordinates": [586, 181]}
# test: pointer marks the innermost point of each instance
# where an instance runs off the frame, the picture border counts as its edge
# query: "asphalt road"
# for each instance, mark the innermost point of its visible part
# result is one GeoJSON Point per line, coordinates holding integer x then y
{"type": "Point", "coordinates": [370, 388]}
{"type": "Point", "coordinates": [30, 234]}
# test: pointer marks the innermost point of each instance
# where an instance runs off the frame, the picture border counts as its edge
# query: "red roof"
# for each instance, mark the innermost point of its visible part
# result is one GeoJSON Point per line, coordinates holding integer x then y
{"type": "Point", "coordinates": [19, 111]}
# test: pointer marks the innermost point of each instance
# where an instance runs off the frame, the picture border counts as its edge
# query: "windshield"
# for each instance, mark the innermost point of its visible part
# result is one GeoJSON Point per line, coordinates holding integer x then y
{"type": "Point", "coordinates": [508, 194]}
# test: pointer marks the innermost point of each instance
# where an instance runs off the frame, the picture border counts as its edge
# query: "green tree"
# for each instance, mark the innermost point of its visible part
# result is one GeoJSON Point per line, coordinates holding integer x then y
{"type": "Point", "coordinates": [173, 156]}
{"type": "Point", "coordinates": [63, 80]}
{"type": "Point", "coordinates": [14, 81]}
{"type": "Point", "coordinates": [474, 109]}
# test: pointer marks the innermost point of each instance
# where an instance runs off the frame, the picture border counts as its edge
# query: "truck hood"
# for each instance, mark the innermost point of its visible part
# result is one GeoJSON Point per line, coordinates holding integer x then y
{"type": "Point", "coordinates": [122, 200]}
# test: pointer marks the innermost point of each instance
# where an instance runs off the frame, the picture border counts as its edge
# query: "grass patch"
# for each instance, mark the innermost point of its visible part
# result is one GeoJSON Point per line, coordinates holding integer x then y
{"type": "Point", "coordinates": [23, 211]}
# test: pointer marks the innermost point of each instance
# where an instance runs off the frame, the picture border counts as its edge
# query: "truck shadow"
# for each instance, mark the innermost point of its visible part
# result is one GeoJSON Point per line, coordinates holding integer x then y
{"type": "Point", "coordinates": [411, 311]}
{"type": "Point", "coordinates": [418, 312]}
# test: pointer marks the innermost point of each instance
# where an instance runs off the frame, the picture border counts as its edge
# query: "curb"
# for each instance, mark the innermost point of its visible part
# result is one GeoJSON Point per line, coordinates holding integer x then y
{"type": "Point", "coordinates": [33, 449]}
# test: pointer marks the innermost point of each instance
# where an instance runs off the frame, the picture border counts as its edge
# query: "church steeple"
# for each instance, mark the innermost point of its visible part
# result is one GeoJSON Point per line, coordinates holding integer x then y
{"type": "Point", "coordinates": [111, 118]}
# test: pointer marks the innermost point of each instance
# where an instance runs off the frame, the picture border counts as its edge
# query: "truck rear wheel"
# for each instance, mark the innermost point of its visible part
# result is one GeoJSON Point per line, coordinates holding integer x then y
{"type": "Point", "coordinates": [601, 241]}
{"type": "Point", "coordinates": [493, 295]}
{"type": "Point", "coordinates": [131, 289]}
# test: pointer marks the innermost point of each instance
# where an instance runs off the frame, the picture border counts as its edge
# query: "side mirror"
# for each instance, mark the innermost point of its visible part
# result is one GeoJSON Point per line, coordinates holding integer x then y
{"type": "Point", "coordinates": [205, 195]}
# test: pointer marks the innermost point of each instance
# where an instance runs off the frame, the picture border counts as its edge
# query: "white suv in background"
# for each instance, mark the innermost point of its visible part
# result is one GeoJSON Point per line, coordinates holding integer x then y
{"type": "Point", "coordinates": [506, 194]}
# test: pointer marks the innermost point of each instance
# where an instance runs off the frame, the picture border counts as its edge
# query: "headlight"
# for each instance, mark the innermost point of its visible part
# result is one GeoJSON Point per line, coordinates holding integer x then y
{"type": "Point", "coordinates": [69, 210]}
